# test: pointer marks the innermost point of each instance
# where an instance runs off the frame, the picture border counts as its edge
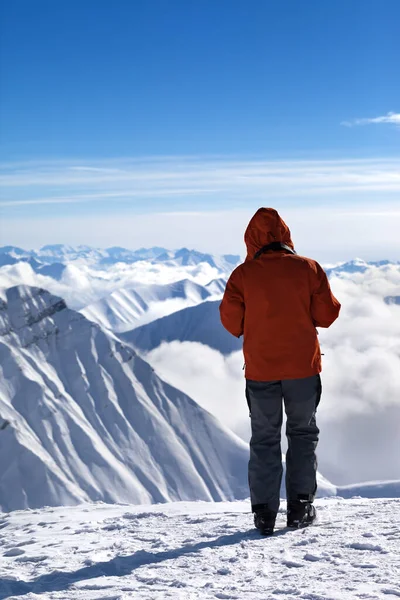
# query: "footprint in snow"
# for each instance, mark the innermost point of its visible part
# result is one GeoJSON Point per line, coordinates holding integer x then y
{"type": "Point", "coordinates": [14, 552]}
{"type": "Point", "coordinates": [313, 557]}
{"type": "Point", "coordinates": [286, 591]}
{"type": "Point", "coordinates": [371, 547]}
{"type": "Point", "coordinates": [292, 563]}
{"type": "Point", "coordinates": [312, 540]}
{"type": "Point", "coordinates": [26, 543]}
{"type": "Point", "coordinates": [33, 559]}
{"type": "Point", "coordinates": [391, 591]}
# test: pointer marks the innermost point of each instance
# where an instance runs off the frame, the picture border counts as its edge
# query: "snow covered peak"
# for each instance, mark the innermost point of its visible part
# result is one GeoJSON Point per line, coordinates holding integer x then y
{"type": "Point", "coordinates": [87, 419]}
{"type": "Point", "coordinates": [106, 258]}
{"type": "Point", "coordinates": [29, 305]}
{"type": "Point", "coordinates": [358, 265]}
{"type": "Point", "coordinates": [63, 253]}
{"type": "Point", "coordinates": [14, 251]}
{"type": "Point", "coordinates": [57, 249]}
{"type": "Point", "coordinates": [30, 314]}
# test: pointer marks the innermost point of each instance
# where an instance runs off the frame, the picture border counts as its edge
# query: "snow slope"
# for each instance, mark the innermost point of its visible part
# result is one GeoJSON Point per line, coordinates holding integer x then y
{"type": "Point", "coordinates": [200, 551]}
{"type": "Point", "coordinates": [84, 418]}
{"type": "Point", "coordinates": [124, 308]}
{"type": "Point", "coordinates": [371, 489]}
{"type": "Point", "coordinates": [199, 323]}
{"type": "Point", "coordinates": [82, 284]}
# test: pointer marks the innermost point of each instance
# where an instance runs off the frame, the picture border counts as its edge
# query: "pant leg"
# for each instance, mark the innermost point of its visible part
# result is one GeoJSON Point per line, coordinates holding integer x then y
{"type": "Point", "coordinates": [301, 398]}
{"type": "Point", "coordinates": [265, 464]}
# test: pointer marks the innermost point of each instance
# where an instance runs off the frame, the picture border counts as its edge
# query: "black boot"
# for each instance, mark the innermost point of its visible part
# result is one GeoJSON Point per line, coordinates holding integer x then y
{"type": "Point", "coordinates": [301, 513]}
{"type": "Point", "coordinates": [264, 520]}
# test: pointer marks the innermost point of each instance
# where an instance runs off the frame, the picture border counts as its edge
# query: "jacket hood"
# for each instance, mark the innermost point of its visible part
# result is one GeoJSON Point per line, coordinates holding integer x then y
{"type": "Point", "coordinates": [265, 227]}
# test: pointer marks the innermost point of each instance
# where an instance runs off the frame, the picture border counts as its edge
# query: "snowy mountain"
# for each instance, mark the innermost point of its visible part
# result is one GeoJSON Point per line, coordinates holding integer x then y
{"type": "Point", "coordinates": [7, 259]}
{"type": "Point", "coordinates": [120, 310]}
{"type": "Point", "coordinates": [199, 323]}
{"type": "Point", "coordinates": [185, 257]}
{"type": "Point", "coordinates": [84, 418]}
{"type": "Point", "coordinates": [14, 252]}
{"type": "Point", "coordinates": [371, 489]}
{"type": "Point", "coordinates": [88, 275]}
{"type": "Point", "coordinates": [358, 265]}
{"type": "Point", "coordinates": [53, 270]}
{"type": "Point", "coordinates": [62, 253]}
{"type": "Point", "coordinates": [103, 258]}
{"type": "Point", "coordinates": [200, 551]}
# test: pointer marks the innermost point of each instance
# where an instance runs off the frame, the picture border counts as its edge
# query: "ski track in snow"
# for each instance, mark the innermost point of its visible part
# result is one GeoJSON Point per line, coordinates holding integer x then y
{"type": "Point", "coordinates": [199, 550]}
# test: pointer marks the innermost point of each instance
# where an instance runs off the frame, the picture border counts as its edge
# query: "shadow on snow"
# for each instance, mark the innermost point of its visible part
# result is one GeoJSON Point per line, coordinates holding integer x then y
{"type": "Point", "coordinates": [117, 567]}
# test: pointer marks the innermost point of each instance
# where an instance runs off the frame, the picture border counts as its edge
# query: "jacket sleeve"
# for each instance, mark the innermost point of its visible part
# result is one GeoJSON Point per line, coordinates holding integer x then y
{"type": "Point", "coordinates": [232, 306]}
{"type": "Point", "coordinates": [324, 306]}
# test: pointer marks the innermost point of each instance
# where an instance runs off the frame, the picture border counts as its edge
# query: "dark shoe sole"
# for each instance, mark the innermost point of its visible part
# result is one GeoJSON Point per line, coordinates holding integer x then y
{"type": "Point", "coordinates": [301, 525]}
{"type": "Point", "coordinates": [266, 532]}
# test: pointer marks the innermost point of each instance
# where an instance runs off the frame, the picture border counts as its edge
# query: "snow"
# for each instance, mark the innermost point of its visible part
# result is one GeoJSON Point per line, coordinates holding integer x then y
{"type": "Point", "coordinates": [200, 551]}
{"type": "Point", "coordinates": [92, 274]}
{"type": "Point", "coordinates": [371, 489]}
{"type": "Point", "coordinates": [84, 418]}
{"type": "Point", "coordinates": [81, 284]}
{"type": "Point", "coordinates": [130, 307]}
{"type": "Point", "coordinates": [199, 323]}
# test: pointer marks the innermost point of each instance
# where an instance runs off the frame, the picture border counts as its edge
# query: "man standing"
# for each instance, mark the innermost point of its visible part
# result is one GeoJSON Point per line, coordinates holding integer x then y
{"type": "Point", "coordinates": [276, 299]}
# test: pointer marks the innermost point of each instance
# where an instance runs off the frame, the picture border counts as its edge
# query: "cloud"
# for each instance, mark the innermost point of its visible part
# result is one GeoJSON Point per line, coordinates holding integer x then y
{"type": "Point", "coordinates": [210, 181]}
{"type": "Point", "coordinates": [188, 201]}
{"type": "Point", "coordinates": [360, 411]}
{"type": "Point", "coordinates": [328, 233]}
{"type": "Point", "coordinates": [359, 414]}
{"type": "Point", "coordinates": [100, 196]}
{"type": "Point", "coordinates": [392, 118]}
{"type": "Point", "coordinates": [214, 381]}
{"type": "Point", "coordinates": [81, 285]}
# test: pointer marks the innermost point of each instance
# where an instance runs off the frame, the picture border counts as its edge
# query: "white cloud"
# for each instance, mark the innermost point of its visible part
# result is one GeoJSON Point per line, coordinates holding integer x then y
{"type": "Point", "coordinates": [359, 414]}
{"type": "Point", "coordinates": [189, 201]}
{"type": "Point", "coordinates": [392, 118]}
{"type": "Point", "coordinates": [328, 234]}
{"type": "Point", "coordinates": [81, 285]}
{"type": "Point", "coordinates": [214, 381]}
{"type": "Point", "coordinates": [211, 180]}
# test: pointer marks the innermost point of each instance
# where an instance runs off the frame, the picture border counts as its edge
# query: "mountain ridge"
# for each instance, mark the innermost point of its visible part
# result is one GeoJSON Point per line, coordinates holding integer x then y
{"type": "Point", "coordinates": [60, 253]}
{"type": "Point", "coordinates": [88, 419]}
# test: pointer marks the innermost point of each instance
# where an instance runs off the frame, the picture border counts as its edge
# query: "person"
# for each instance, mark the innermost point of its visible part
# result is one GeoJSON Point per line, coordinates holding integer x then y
{"type": "Point", "coordinates": [276, 299]}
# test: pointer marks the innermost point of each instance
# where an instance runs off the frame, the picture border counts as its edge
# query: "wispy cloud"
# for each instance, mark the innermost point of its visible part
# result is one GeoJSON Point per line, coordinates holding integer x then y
{"type": "Point", "coordinates": [217, 179]}
{"type": "Point", "coordinates": [392, 118]}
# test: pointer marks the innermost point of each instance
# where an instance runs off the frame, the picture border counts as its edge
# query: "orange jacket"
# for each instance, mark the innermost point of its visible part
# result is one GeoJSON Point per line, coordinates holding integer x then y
{"type": "Point", "coordinates": [276, 301]}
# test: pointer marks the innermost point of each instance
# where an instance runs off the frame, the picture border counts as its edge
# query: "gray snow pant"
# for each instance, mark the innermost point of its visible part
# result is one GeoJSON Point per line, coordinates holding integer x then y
{"type": "Point", "coordinates": [301, 398]}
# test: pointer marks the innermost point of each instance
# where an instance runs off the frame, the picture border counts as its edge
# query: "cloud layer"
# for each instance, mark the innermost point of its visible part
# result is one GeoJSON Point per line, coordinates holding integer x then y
{"type": "Point", "coordinates": [329, 234]}
{"type": "Point", "coordinates": [359, 415]}
{"type": "Point", "coordinates": [81, 284]}
{"type": "Point", "coordinates": [203, 202]}
{"type": "Point", "coordinates": [182, 180]}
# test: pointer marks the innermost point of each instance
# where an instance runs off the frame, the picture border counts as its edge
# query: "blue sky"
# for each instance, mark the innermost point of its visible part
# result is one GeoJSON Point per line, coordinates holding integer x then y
{"type": "Point", "coordinates": [104, 103]}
